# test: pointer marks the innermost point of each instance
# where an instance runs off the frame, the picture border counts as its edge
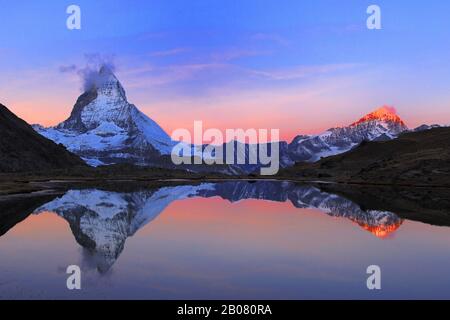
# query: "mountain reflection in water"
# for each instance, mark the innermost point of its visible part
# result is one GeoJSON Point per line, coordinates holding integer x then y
{"type": "Point", "coordinates": [101, 221]}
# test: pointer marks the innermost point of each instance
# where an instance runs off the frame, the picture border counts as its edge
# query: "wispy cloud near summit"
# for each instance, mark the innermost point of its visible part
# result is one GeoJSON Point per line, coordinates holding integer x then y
{"type": "Point", "coordinates": [89, 73]}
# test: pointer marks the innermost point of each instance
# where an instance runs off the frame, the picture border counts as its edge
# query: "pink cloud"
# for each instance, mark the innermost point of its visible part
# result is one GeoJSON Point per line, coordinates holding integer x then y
{"type": "Point", "coordinates": [170, 52]}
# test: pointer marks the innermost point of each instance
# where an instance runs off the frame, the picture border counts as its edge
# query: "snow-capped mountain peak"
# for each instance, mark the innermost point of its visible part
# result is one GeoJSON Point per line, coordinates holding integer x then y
{"type": "Point", "coordinates": [105, 128]}
{"type": "Point", "coordinates": [381, 124]}
{"type": "Point", "coordinates": [107, 84]}
{"type": "Point", "coordinates": [104, 101]}
{"type": "Point", "coordinates": [383, 114]}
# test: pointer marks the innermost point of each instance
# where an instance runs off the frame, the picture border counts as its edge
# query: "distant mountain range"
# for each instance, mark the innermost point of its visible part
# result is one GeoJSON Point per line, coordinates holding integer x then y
{"type": "Point", "coordinates": [416, 158]}
{"type": "Point", "coordinates": [22, 149]}
{"type": "Point", "coordinates": [104, 128]}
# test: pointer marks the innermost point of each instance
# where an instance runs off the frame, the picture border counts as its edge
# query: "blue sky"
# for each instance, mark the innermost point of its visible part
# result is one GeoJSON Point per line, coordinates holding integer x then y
{"type": "Point", "coordinates": [301, 66]}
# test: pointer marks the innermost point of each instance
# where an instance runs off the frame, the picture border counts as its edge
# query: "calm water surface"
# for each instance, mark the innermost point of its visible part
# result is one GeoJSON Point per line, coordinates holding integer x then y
{"type": "Point", "coordinates": [264, 240]}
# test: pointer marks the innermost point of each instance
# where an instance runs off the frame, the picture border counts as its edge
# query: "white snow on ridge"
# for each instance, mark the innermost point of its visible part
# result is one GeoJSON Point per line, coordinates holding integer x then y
{"type": "Point", "coordinates": [91, 140]}
{"type": "Point", "coordinates": [153, 132]}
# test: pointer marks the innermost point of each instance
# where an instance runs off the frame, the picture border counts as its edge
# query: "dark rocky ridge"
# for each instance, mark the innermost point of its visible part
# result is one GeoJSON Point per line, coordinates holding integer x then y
{"type": "Point", "coordinates": [413, 159]}
{"type": "Point", "coordinates": [14, 210]}
{"type": "Point", "coordinates": [23, 149]}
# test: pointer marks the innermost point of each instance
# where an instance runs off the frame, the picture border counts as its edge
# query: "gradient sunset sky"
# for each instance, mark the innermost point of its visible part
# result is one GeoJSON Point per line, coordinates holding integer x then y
{"type": "Point", "coordinates": [301, 66]}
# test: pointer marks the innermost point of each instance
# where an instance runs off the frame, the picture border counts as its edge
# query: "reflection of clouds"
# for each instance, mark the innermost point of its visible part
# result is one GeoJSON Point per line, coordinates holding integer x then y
{"type": "Point", "coordinates": [88, 259]}
{"type": "Point", "coordinates": [89, 265]}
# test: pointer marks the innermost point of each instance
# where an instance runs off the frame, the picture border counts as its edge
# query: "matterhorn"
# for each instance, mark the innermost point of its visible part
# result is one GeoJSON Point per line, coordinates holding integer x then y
{"type": "Point", "coordinates": [104, 128]}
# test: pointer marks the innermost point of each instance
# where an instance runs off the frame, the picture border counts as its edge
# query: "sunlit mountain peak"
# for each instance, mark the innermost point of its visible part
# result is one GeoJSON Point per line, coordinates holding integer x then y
{"type": "Point", "coordinates": [383, 114]}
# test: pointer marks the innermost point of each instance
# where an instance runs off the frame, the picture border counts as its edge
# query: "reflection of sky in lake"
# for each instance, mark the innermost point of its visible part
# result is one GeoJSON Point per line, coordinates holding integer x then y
{"type": "Point", "coordinates": [212, 248]}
